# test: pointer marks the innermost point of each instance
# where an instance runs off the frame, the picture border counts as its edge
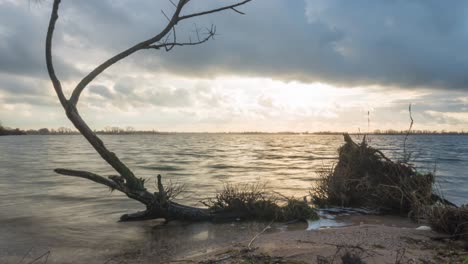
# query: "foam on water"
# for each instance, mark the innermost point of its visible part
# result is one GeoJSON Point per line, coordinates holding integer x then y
{"type": "Point", "coordinates": [324, 223]}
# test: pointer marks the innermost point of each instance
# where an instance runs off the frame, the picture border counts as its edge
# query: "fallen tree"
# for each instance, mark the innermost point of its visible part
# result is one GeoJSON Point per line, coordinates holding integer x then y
{"type": "Point", "coordinates": [158, 204]}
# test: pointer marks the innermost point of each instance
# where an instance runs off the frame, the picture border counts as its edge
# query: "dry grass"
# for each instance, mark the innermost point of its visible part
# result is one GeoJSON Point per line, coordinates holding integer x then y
{"type": "Point", "coordinates": [450, 220]}
{"type": "Point", "coordinates": [253, 201]}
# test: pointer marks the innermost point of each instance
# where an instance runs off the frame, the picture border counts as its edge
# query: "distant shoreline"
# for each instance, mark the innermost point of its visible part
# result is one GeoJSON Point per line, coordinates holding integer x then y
{"type": "Point", "coordinates": [25, 133]}
{"type": "Point", "coordinates": [6, 131]}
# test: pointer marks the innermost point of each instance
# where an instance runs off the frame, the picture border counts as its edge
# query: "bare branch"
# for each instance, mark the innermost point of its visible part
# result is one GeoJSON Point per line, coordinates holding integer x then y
{"type": "Point", "coordinates": [142, 45]}
{"type": "Point", "coordinates": [169, 45]}
{"type": "Point", "coordinates": [90, 176]}
{"type": "Point", "coordinates": [174, 40]}
{"type": "Point", "coordinates": [173, 3]}
{"type": "Point", "coordinates": [232, 7]}
{"type": "Point", "coordinates": [237, 11]}
{"type": "Point", "coordinates": [168, 19]}
{"type": "Point", "coordinates": [142, 196]}
{"type": "Point", "coordinates": [197, 31]}
{"type": "Point", "coordinates": [406, 156]}
{"type": "Point", "coordinates": [50, 66]}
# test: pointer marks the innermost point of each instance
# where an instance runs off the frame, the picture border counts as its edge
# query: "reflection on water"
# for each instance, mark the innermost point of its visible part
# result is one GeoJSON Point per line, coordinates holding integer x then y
{"type": "Point", "coordinates": [41, 210]}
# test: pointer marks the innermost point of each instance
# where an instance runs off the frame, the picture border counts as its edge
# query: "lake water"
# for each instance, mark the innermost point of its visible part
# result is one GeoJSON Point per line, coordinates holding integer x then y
{"type": "Point", "coordinates": [77, 219]}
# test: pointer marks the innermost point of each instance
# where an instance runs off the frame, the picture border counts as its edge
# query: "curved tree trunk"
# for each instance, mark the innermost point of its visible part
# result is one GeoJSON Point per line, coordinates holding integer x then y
{"type": "Point", "coordinates": [157, 204]}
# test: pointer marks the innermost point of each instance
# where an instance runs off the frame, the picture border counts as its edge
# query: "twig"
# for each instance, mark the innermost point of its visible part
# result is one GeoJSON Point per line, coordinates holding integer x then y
{"type": "Point", "coordinates": [29, 251]}
{"type": "Point", "coordinates": [40, 257]}
{"type": "Point", "coordinates": [257, 235]}
{"type": "Point", "coordinates": [173, 3]}
{"type": "Point", "coordinates": [368, 122]}
{"type": "Point", "coordinates": [232, 7]}
{"type": "Point", "coordinates": [282, 195]}
{"type": "Point", "coordinates": [405, 156]}
{"type": "Point", "coordinates": [400, 255]}
{"type": "Point", "coordinates": [242, 13]}
{"type": "Point", "coordinates": [382, 155]}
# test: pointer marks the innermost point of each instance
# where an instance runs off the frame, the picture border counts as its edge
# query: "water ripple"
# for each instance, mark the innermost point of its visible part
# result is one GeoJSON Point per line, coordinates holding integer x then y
{"type": "Point", "coordinates": [38, 205]}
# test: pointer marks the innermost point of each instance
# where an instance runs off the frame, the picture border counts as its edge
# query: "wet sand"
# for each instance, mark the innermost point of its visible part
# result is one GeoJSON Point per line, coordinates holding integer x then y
{"type": "Point", "coordinates": [377, 239]}
{"type": "Point", "coordinates": [154, 243]}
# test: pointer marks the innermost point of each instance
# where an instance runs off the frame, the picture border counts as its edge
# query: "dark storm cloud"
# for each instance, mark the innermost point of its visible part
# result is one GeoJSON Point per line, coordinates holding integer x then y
{"type": "Point", "coordinates": [273, 40]}
{"type": "Point", "coordinates": [18, 86]}
{"type": "Point", "coordinates": [22, 38]}
{"type": "Point", "coordinates": [410, 44]}
{"type": "Point", "coordinates": [402, 43]}
{"type": "Point", "coordinates": [18, 90]}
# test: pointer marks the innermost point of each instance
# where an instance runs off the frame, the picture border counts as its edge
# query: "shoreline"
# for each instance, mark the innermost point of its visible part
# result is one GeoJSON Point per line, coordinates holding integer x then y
{"type": "Point", "coordinates": [376, 239]}
{"type": "Point", "coordinates": [25, 133]}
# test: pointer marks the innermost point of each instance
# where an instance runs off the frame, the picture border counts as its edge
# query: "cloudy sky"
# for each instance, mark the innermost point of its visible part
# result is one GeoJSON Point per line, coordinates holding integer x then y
{"type": "Point", "coordinates": [287, 65]}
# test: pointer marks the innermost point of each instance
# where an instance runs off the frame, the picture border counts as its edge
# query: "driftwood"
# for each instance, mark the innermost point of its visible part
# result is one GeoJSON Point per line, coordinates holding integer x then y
{"type": "Point", "coordinates": [157, 204]}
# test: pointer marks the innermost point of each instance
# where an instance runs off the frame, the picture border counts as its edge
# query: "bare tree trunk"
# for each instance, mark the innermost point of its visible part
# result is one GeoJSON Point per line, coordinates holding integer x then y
{"type": "Point", "coordinates": [157, 204]}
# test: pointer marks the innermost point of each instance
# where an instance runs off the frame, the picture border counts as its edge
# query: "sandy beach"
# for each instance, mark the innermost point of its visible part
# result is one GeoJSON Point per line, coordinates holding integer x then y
{"type": "Point", "coordinates": [375, 239]}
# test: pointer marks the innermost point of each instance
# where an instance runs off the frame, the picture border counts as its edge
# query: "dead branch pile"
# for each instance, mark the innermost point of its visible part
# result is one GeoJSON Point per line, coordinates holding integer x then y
{"type": "Point", "coordinates": [365, 177]}
{"type": "Point", "coordinates": [253, 201]}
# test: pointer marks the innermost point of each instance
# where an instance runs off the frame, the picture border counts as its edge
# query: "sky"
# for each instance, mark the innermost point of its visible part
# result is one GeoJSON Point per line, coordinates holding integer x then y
{"type": "Point", "coordinates": [286, 65]}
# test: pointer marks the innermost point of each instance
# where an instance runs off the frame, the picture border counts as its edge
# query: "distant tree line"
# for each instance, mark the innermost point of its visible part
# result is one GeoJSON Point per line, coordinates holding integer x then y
{"type": "Point", "coordinates": [6, 131]}
{"type": "Point", "coordinates": [110, 130]}
{"type": "Point", "coordinates": [118, 130]}
{"type": "Point", "coordinates": [418, 132]}
{"type": "Point", "coordinates": [69, 131]}
{"type": "Point", "coordinates": [386, 132]}
{"type": "Point", "coordinates": [52, 131]}
{"type": "Point", "coordinates": [115, 130]}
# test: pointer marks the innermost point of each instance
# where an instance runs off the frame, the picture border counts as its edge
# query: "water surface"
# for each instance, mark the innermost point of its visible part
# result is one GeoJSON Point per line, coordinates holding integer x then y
{"type": "Point", "coordinates": [73, 217]}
